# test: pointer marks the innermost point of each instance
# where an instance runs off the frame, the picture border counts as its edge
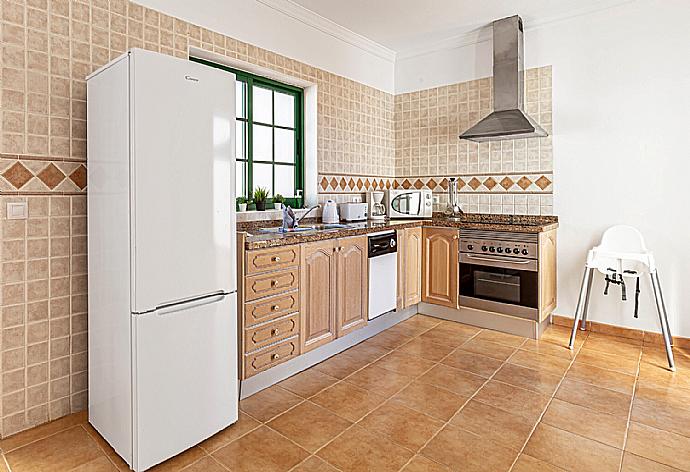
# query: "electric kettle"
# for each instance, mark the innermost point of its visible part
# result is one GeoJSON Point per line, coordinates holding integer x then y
{"type": "Point", "coordinates": [329, 214]}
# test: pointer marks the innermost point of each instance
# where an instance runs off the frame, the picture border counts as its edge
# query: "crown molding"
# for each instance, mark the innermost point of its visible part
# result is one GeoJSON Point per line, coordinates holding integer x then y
{"type": "Point", "coordinates": [483, 34]}
{"type": "Point", "coordinates": [316, 21]}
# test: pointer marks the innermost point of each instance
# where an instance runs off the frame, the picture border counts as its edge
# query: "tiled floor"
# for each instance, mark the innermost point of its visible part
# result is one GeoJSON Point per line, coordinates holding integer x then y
{"type": "Point", "coordinates": [434, 396]}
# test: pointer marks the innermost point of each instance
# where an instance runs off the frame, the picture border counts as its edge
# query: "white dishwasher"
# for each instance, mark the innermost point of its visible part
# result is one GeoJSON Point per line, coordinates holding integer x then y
{"type": "Point", "coordinates": [383, 273]}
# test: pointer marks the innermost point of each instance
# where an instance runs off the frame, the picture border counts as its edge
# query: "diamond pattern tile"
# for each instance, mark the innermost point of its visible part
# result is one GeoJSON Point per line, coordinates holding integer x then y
{"type": "Point", "coordinates": [506, 182]}
{"type": "Point", "coordinates": [418, 184]}
{"type": "Point", "coordinates": [78, 176]}
{"type": "Point", "coordinates": [490, 183]}
{"type": "Point", "coordinates": [51, 176]}
{"type": "Point", "coordinates": [524, 183]}
{"type": "Point", "coordinates": [543, 182]}
{"type": "Point", "coordinates": [474, 183]}
{"type": "Point", "coordinates": [17, 175]}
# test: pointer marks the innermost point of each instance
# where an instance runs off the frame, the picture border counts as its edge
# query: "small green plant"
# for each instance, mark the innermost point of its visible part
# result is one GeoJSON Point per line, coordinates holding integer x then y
{"type": "Point", "coordinates": [260, 195]}
{"type": "Point", "coordinates": [241, 200]}
{"type": "Point", "coordinates": [278, 198]}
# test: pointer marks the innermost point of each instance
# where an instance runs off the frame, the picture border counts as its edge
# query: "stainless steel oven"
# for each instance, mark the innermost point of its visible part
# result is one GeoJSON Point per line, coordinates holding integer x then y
{"type": "Point", "coordinates": [499, 272]}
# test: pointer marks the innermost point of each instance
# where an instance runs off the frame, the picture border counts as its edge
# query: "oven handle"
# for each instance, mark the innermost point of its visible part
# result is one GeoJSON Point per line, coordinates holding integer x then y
{"type": "Point", "coordinates": [499, 259]}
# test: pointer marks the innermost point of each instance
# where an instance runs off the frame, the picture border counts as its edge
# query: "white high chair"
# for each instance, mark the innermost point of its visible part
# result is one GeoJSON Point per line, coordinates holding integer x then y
{"type": "Point", "coordinates": [622, 251]}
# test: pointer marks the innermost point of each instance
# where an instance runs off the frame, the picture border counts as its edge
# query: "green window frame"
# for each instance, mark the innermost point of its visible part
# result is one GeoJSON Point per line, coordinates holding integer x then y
{"type": "Point", "coordinates": [245, 158]}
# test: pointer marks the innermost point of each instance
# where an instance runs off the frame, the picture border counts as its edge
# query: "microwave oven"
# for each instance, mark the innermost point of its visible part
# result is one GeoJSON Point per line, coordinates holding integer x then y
{"type": "Point", "coordinates": [410, 203]}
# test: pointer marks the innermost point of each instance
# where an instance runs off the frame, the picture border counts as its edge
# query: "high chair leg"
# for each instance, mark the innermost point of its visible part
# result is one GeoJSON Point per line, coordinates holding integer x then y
{"type": "Point", "coordinates": [663, 319]}
{"type": "Point", "coordinates": [585, 308]}
{"type": "Point", "coordinates": [580, 303]}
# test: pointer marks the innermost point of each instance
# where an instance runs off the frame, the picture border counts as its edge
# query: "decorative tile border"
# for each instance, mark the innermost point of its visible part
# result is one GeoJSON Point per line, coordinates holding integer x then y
{"type": "Point", "coordinates": [19, 175]}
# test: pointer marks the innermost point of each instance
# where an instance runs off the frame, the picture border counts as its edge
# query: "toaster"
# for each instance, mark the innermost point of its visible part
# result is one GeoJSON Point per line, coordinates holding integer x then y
{"type": "Point", "coordinates": [353, 211]}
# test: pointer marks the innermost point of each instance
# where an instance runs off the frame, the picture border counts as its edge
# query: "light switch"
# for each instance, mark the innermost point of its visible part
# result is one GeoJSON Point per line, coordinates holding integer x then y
{"type": "Point", "coordinates": [17, 211]}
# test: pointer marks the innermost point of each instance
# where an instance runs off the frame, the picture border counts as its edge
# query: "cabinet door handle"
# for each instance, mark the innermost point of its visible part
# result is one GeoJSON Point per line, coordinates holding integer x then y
{"type": "Point", "coordinates": [275, 332]}
{"type": "Point", "coordinates": [275, 308]}
{"type": "Point", "coordinates": [275, 258]}
{"type": "Point", "coordinates": [274, 283]}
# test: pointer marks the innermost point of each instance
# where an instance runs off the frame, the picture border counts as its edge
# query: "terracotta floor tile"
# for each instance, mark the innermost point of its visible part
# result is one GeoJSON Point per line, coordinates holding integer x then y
{"type": "Point", "coordinates": [443, 335]}
{"type": "Point", "coordinates": [180, 461]}
{"type": "Point", "coordinates": [348, 401]}
{"type": "Point", "coordinates": [308, 383]}
{"type": "Point", "coordinates": [500, 338]}
{"type": "Point", "coordinates": [388, 340]}
{"type": "Point", "coordinates": [610, 337]}
{"type": "Point", "coordinates": [262, 450]}
{"type": "Point", "coordinates": [102, 464]}
{"type": "Point", "coordinates": [269, 403]}
{"type": "Point", "coordinates": [625, 365]}
{"type": "Point", "coordinates": [595, 398]}
{"type": "Point", "coordinates": [401, 424]}
{"type": "Point", "coordinates": [529, 379]}
{"type": "Point", "coordinates": [244, 424]}
{"type": "Point", "coordinates": [602, 427]}
{"type": "Point", "coordinates": [476, 363]}
{"type": "Point", "coordinates": [426, 349]}
{"type": "Point", "coordinates": [359, 450]}
{"type": "Point", "coordinates": [341, 365]}
{"type": "Point", "coordinates": [422, 321]}
{"type": "Point", "coordinates": [431, 400]}
{"type": "Point", "coordinates": [662, 415]}
{"type": "Point", "coordinates": [495, 424]}
{"type": "Point", "coordinates": [560, 336]}
{"type": "Point", "coordinates": [461, 450]}
{"type": "Point", "coordinates": [612, 345]}
{"type": "Point", "coordinates": [542, 362]}
{"type": "Point", "coordinates": [366, 352]}
{"type": "Point", "coordinates": [120, 464]}
{"type": "Point", "coordinates": [309, 425]}
{"type": "Point", "coordinates": [675, 397]}
{"type": "Point", "coordinates": [513, 399]}
{"type": "Point", "coordinates": [457, 381]}
{"type": "Point", "coordinates": [404, 364]}
{"type": "Point", "coordinates": [487, 348]}
{"type": "Point", "coordinates": [527, 463]}
{"type": "Point", "coordinates": [42, 431]}
{"type": "Point", "coordinates": [314, 464]}
{"type": "Point", "coordinates": [460, 328]}
{"type": "Point", "coordinates": [660, 446]}
{"type": "Point", "coordinates": [545, 347]}
{"type": "Point", "coordinates": [380, 381]}
{"type": "Point", "coordinates": [60, 452]}
{"type": "Point", "coordinates": [410, 330]}
{"type": "Point", "coordinates": [205, 464]}
{"type": "Point", "coordinates": [422, 464]}
{"type": "Point", "coordinates": [633, 463]}
{"type": "Point", "coordinates": [662, 377]}
{"type": "Point", "coordinates": [571, 452]}
{"type": "Point", "coordinates": [656, 355]}
{"type": "Point", "coordinates": [615, 381]}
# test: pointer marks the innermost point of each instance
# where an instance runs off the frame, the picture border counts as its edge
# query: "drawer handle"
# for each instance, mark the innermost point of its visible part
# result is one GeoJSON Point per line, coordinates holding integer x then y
{"type": "Point", "coordinates": [275, 308]}
{"type": "Point", "coordinates": [275, 258]}
{"type": "Point", "coordinates": [275, 332]}
{"type": "Point", "coordinates": [274, 283]}
{"type": "Point", "coordinates": [275, 356]}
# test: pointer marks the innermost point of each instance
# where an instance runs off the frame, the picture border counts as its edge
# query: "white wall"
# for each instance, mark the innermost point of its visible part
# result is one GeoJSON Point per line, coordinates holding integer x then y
{"type": "Point", "coordinates": [621, 114]}
{"type": "Point", "coordinates": [260, 25]}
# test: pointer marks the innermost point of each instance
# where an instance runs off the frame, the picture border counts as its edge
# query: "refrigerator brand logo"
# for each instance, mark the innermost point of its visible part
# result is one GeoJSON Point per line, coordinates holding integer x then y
{"type": "Point", "coordinates": [190, 78]}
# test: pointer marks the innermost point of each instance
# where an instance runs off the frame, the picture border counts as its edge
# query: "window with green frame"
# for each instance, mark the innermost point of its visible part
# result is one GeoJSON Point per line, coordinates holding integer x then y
{"type": "Point", "coordinates": [269, 136]}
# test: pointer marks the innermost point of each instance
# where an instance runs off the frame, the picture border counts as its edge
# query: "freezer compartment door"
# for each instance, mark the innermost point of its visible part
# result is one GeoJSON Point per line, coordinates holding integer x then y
{"type": "Point", "coordinates": [186, 386]}
{"type": "Point", "coordinates": [183, 172]}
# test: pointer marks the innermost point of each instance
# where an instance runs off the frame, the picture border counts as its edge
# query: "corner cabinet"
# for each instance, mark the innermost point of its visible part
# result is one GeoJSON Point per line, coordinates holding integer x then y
{"type": "Point", "coordinates": [440, 266]}
{"type": "Point", "coordinates": [409, 267]}
{"type": "Point", "coordinates": [334, 288]}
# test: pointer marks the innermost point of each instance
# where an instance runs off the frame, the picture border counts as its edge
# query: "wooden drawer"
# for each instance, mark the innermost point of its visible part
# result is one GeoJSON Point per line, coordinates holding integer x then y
{"type": "Point", "coordinates": [269, 333]}
{"type": "Point", "coordinates": [275, 258]}
{"type": "Point", "coordinates": [271, 308]}
{"type": "Point", "coordinates": [271, 356]}
{"type": "Point", "coordinates": [264, 285]}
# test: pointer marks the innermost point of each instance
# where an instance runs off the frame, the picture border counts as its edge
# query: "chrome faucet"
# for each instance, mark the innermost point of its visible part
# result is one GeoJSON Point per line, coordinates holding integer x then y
{"type": "Point", "coordinates": [290, 221]}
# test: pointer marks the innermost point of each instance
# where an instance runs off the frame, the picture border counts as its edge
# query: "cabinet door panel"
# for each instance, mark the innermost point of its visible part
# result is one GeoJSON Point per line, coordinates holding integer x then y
{"type": "Point", "coordinates": [440, 274]}
{"type": "Point", "coordinates": [413, 266]}
{"type": "Point", "coordinates": [353, 283]}
{"type": "Point", "coordinates": [318, 288]}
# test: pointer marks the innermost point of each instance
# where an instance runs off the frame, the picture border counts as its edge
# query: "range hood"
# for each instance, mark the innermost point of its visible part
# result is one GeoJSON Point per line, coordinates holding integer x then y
{"type": "Point", "coordinates": [508, 120]}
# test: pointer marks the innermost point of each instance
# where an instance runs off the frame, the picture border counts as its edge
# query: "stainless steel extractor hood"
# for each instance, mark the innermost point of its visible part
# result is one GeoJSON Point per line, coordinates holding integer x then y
{"type": "Point", "coordinates": [508, 120]}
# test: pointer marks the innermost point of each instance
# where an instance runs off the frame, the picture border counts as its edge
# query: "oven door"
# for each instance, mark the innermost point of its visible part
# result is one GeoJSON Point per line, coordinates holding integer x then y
{"type": "Point", "coordinates": [499, 284]}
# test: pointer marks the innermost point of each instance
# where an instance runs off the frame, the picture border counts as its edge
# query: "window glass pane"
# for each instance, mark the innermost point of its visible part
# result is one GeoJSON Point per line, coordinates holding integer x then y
{"type": "Point", "coordinates": [240, 173]}
{"type": "Point", "coordinates": [262, 104]}
{"type": "Point", "coordinates": [240, 100]}
{"type": "Point", "coordinates": [240, 140]}
{"type": "Point", "coordinates": [285, 181]}
{"type": "Point", "coordinates": [285, 145]}
{"type": "Point", "coordinates": [263, 176]}
{"type": "Point", "coordinates": [284, 109]}
{"type": "Point", "coordinates": [263, 143]}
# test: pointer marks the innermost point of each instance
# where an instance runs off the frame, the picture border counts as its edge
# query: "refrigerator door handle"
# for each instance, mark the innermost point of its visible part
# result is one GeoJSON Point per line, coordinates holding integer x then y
{"type": "Point", "coordinates": [196, 300]}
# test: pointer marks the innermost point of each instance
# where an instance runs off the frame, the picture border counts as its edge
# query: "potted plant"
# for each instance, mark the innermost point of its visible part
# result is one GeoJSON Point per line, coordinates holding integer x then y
{"type": "Point", "coordinates": [260, 195]}
{"type": "Point", "coordinates": [242, 203]}
{"type": "Point", "coordinates": [278, 200]}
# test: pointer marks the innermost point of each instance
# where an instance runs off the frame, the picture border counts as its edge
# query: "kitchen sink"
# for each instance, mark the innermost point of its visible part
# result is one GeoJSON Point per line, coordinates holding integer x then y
{"type": "Point", "coordinates": [306, 229]}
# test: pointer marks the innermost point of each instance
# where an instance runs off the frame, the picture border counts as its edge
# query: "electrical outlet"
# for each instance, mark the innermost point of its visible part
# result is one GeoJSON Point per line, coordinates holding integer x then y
{"type": "Point", "coordinates": [17, 211]}
{"type": "Point", "coordinates": [436, 199]}
{"type": "Point", "coordinates": [357, 199]}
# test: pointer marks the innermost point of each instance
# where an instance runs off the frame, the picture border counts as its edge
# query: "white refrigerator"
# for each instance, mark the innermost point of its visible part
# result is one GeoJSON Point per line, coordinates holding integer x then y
{"type": "Point", "coordinates": [161, 242]}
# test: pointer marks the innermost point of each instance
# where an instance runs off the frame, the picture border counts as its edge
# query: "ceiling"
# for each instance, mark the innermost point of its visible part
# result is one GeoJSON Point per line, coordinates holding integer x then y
{"type": "Point", "coordinates": [404, 26]}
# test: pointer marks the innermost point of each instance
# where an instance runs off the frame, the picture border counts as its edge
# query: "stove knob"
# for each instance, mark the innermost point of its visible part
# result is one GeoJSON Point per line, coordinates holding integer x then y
{"type": "Point", "coordinates": [484, 248]}
{"type": "Point", "coordinates": [492, 249]}
{"type": "Point", "coordinates": [499, 250]}
{"type": "Point", "coordinates": [516, 251]}
{"type": "Point", "coordinates": [525, 252]}
{"type": "Point", "coordinates": [470, 247]}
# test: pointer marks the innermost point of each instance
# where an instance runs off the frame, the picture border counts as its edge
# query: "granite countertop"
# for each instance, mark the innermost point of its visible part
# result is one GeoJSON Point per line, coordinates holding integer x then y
{"type": "Point", "coordinates": [487, 222]}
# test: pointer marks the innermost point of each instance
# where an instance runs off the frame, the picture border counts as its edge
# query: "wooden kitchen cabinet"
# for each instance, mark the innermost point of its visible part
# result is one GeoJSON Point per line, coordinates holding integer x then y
{"type": "Point", "coordinates": [334, 288]}
{"type": "Point", "coordinates": [440, 266]}
{"type": "Point", "coordinates": [409, 267]}
{"type": "Point", "coordinates": [547, 273]}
